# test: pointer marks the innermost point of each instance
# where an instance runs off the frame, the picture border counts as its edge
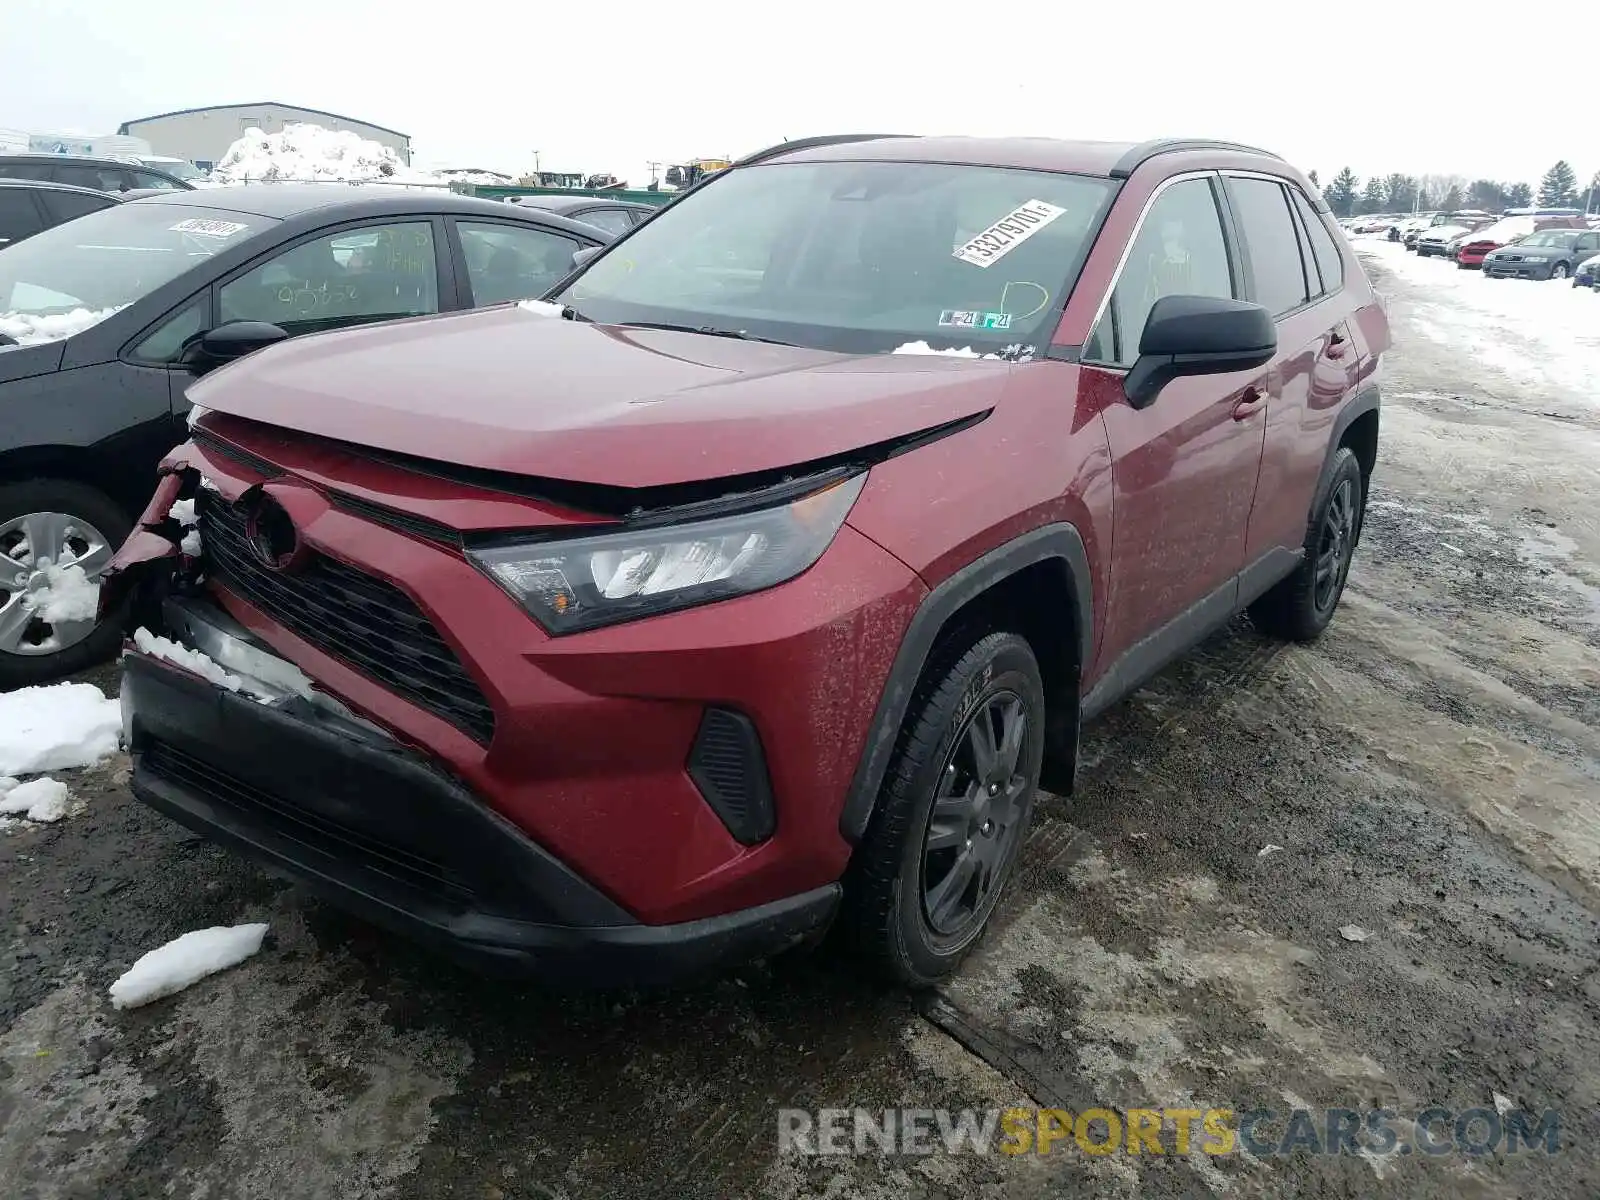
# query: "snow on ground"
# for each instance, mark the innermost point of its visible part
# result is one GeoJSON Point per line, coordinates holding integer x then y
{"type": "Point", "coordinates": [32, 329]}
{"type": "Point", "coordinates": [42, 800]}
{"type": "Point", "coordinates": [69, 595]}
{"type": "Point", "coordinates": [1558, 323]}
{"type": "Point", "coordinates": [185, 960]}
{"type": "Point", "coordinates": [56, 727]}
{"type": "Point", "coordinates": [310, 153]}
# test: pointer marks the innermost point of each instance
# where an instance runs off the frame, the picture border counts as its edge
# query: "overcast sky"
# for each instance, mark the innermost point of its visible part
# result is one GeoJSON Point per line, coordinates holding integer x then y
{"type": "Point", "coordinates": [609, 84]}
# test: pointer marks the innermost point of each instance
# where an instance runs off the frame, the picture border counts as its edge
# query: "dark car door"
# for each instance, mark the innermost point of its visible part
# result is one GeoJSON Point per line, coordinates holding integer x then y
{"type": "Point", "coordinates": [20, 215]}
{"type": "Point", "coordinates": [1183, 469]}
{"type": "Point", "coordinates": [1287, 250]}
{"type": "Point", "coordinates": [504, 260]}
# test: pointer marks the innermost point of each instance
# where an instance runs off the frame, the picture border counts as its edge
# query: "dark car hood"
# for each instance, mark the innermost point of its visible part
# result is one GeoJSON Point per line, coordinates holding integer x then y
{"type": "Point", "coordinates": [511, 390]}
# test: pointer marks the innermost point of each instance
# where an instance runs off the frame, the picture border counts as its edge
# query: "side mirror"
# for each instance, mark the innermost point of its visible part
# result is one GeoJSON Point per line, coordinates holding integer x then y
{"type": "Point", "coordinates": [582, 258]}
{"type": "Point", "coordinates": [235, 340]}
{"type": "Point", "coordinates": [1198, 335]}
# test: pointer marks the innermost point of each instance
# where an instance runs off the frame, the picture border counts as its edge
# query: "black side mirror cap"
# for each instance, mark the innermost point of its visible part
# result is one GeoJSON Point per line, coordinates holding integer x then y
{"type": "Point", "coordinates": [238, 338]}
{"type": "Point", "coordinates": [1198, 335]}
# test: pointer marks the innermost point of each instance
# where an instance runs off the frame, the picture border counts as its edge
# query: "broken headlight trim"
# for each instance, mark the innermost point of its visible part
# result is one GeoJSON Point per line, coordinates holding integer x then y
{"type": "Point", "coordinates": [581, 583]}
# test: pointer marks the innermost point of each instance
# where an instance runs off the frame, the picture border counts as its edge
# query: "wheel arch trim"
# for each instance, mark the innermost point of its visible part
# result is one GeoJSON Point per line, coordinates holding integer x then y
{"type": "Point", "coordinates": [1060, 541]}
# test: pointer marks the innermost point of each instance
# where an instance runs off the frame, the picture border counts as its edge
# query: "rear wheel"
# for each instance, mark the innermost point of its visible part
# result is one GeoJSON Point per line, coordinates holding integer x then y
{"type": "Point", "coordinates": [952, 813]}
{"type": "Point", "coordinates": [1300, 607]}
{"type": "Point", "coordinates": [52, 523]}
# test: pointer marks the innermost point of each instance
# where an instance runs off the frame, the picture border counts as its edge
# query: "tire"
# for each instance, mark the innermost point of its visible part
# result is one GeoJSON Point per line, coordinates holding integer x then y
{"type": "Point", "coordinates": [892, 916]}
{"type": "Point", "coordinates": [1560, 271]}
{"type": "Point", "coordinates": [1299, 607]}
{"type": "Point", "coordinates": [95, 514]}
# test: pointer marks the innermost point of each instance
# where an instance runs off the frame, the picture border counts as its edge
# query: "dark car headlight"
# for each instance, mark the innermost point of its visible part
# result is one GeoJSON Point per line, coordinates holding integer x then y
{"type": "Point", "coordinates": [577, 583]}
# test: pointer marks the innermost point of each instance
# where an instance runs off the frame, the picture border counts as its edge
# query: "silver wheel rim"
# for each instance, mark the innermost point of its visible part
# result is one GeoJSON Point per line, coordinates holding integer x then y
{"type": "Point", "coordinates": [29, 544]}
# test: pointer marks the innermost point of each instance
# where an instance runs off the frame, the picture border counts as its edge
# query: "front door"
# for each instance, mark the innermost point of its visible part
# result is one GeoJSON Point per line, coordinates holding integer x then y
{"type": "Point", "coordinates": [1183, 469]}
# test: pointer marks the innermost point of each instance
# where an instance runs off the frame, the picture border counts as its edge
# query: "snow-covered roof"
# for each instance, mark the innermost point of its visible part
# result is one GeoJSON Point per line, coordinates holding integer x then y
{"type": "Point", "coordinates": [183, 112]}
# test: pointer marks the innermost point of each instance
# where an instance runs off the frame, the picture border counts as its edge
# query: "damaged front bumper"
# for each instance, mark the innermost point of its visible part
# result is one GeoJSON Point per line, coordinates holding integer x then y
{"type": "Point", "coordinates": [287, 775]}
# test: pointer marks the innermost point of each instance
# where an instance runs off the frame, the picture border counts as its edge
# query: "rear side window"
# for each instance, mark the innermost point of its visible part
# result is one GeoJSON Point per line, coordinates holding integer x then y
{"type": "Point", "coordinates": [63, 206]}
{"type": "Point", "coordinates": [612, 220]}
{"type": "Point", "coordinates": [1326, 254]}
{"type": "Point", "coordinates": [1178, 251]}
{"type": "Point", "coordinates": [18, 216]}
{"type": "Point", "coordinates": [101, 179]}
{"type": "Point", "coordinates": [39, 171]}
{"type": "Point", "coordinates": [1273, 245]}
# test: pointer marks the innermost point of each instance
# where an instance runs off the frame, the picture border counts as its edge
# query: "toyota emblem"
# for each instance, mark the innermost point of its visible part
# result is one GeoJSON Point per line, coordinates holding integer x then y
{"type": "Point", "coordinates": [271, 535]}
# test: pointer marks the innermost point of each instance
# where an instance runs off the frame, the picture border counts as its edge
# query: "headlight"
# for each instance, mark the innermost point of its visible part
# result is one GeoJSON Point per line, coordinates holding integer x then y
{"type": "Point", "coordinates": [583, 582]}
{"type": "Point", "coordinates": [1535, 258]}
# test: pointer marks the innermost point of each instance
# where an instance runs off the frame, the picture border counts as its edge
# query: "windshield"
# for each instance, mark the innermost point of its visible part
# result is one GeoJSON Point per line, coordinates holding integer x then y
{"type": "Point", "coordinates": [106, 260]}
{"type": "Point", "coordinates": [858, 257]}
{"type": "Point", "coordinates": [1549, 238]}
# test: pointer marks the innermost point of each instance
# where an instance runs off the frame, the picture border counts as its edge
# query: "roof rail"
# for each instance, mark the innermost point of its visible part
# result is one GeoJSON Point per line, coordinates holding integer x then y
{"type": "Point", "coordinates": [826, 139]}
{"type": "Point", "coordinates": [1138, 155]}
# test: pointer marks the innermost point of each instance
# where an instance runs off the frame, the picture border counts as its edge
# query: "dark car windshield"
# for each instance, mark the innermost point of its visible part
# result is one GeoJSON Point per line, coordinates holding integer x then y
{"type": "Point", "coordinates": [86, 269]}
{"type": "Point", "coordinates": [1553, 237]}
{"type": "Point", "coordinates": [857, 257]}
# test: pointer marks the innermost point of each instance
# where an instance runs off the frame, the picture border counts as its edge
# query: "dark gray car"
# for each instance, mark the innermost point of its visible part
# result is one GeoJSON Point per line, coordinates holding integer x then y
{"type": "Point", "coordinates": [1548, 254]}
{"type": "Point", "coordinates": [100, 174]}
{"type": "Point", "coordinates": [616, 217]}
{"type": "Point", "coordinates": [28, 206]}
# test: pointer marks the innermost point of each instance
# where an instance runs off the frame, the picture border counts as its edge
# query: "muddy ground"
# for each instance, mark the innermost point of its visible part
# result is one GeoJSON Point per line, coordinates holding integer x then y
{"type": "Point", "coordinates": [1431, 769]}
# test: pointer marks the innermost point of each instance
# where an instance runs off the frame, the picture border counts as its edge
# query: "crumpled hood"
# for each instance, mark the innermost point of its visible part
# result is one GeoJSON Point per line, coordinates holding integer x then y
{"type": "Point", "coordinates": [515, 390]}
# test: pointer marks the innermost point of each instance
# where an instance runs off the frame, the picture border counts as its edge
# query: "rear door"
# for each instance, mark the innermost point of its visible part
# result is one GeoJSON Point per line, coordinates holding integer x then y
{"type": "Point", "coordinates": [1183, 469]}
{"type": "Point", "coordinates": [1288, 250]}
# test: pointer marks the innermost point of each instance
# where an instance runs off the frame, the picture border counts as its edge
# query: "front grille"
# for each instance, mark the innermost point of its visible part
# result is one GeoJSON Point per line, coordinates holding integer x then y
{"type": "Point", "coordinates": [314, 830]}
{"type": "Point", "coordinates": [371, 625]}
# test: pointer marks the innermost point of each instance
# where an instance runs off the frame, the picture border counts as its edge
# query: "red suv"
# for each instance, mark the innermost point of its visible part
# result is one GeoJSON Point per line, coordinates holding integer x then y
{"type": "Point", "coordinates": [755, 581]}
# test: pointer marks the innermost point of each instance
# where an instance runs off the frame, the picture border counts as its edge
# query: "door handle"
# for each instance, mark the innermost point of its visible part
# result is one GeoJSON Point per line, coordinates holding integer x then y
{"type": "Point", "coordinates": [1336, 344]}
{"type": "Point", "coordinates": [1251, 402]}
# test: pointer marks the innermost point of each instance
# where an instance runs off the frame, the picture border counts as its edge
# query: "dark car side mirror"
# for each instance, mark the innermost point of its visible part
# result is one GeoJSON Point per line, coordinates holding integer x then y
{"type": "Point", "coordinates": [1198, 335]}
{"type": "Point", "coordinates": [235, 340]}
{"type": "Point", "coordinates": [582, 258]}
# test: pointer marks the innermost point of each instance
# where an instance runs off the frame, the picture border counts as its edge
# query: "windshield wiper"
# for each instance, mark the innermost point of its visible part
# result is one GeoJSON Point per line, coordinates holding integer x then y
{"type": "Point", "coordinates": [708, 330]}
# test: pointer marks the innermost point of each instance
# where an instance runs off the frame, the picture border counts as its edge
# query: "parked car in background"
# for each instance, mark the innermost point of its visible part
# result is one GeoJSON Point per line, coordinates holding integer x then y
{"type": "Point", "coordinates": [616, 217]}
{"type": "Point", "coordinates": [1588, 274]}
{"type": "Point", "coordinates": [1504, 232]}
{"type": "Point", "coordinates": [30, 206]}
{"type": "Point", "coordinates": [1547, 254]}
{"type": "Point", "coordinates": [178, 168]}
{"type": "Point", "coordinates": [1436, 239]}
{"type": "Point", "coordinates": [550, 599]}
{"type": "Point", "coordinates": [106, 320]}
{"type": "Point", "coordinates": [100, 174]}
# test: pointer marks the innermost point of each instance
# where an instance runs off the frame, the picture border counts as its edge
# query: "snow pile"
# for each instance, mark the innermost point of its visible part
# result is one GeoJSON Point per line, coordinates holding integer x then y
{"type": "Point", "coordinates": [541, 308]}
{"type": "Point", "coordinates": [69, 595]}
{"type": "Point", "coordinates": [169, 969]}
{"type": "Point", "coordinates": [485, 178]}
{"type": "Point", "coordinates": [56, 727]}
{"type": "Point", "coordinates": [310, 153]}
{"type": "Point", "coordinates": [42, 800]}
{"type": "Point", "coordinates": [181, 656]}
{"type": "Point", "coordinates": [33, 329]}
{"type": "Point", "coordinates": [924, 348]}
{"type": "Point", "coordinates": [182, 511]}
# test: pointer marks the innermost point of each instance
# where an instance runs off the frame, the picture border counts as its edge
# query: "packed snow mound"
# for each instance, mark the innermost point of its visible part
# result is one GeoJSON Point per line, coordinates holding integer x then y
{"type": "Point", "coordinates": [56, 727]}
{"type": "Point", "coordinates": [32, 329]}
{"type": "Point", "coordinates": [181, 656]}
{"type": "Point", "coordinates": [169, 969]}
{"type": "Point", "coordinates": [43, 800]}
{"type": "Point", "coordinates": [305, 153]}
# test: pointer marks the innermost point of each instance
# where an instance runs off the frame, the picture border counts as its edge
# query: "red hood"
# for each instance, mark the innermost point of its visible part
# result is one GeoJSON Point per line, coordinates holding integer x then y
{"type": "Point", "coordinates": [511, 390]}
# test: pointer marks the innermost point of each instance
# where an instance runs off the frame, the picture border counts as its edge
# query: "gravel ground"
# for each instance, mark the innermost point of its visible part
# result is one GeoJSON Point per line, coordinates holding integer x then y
{"type": "Point", "coordinates": [1431, 770]}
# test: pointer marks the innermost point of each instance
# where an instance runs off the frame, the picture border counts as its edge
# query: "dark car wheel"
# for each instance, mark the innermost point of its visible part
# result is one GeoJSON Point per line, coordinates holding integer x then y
{"type": "Point", "coordinates": [1560, 271]}
{"type": "Point", "coordinates": [52, 521]}
{"type": "Point", "coordinates": [952, 813]}
{"type": "Point", "coordinates": [1300, 607]}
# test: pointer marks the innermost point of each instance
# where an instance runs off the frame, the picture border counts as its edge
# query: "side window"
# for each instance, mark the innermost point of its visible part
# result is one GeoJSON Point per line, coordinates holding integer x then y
{"type": "Point", "coordinates": [354, 276]}
{"type": "Point", "coordinates": [1179, 251]}
{"type": "Point", "coordinates": [18, 216]}
{"type": "Point", "coordinates": [612, 220]}
{"type": "Point", "coordinates": [101, 179]}
{"type": "Point", "coordinates": [639, 216]}
{"type": "Point", "coordinates": [39, 171]}
{"type": "Point", "coordinates": [512, 262]}
{"type": "Point", "coordinates": [165, 343]}
{"type": "Point", "coordinates": [149, 179]}
{"type": "Point", "coordinates": [1273, 244]}
{"type": "Point", "coordinates": [63, 206]}
{"type": "Point", "coordinates": [1323, 248]}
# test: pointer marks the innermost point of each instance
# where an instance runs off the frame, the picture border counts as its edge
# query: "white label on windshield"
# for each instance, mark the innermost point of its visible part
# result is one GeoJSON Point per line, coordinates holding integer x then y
{"type": "Point", "coordinates": [205, 228]}
{"type": "Point", "coordinates": [1009, 232]}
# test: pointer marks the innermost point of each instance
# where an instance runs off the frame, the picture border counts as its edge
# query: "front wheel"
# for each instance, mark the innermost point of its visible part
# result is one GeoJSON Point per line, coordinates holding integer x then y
{"type": "Point", "coordinates": [44, 524]}
{"type": "Point", "coordinates": [952, 813]}
{"type": "Point", "coordinates": [1300, 607]}
{"type": "Point", "coordinates": [1560, 271]}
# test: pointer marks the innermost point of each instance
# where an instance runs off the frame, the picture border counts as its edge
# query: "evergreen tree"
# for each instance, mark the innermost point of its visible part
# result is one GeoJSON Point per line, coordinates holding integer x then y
{"type": "Point", "coordinates": [1341, 193]}
{"type": "Point", "coordinates": [1487, 195]}
{"type": "Point", "coordinates": [1591, 197]}
{"type": "Point", "coordinates": [1451, 200]}
{"type": "Point", "coordinates": [1519, 195]}
{"type": "Point", "coordinates": [1372, 196]}
{"type": "Point", "coordinates": [1559, 188]}
{"type": "Point", "coordinates": [1400, 193]}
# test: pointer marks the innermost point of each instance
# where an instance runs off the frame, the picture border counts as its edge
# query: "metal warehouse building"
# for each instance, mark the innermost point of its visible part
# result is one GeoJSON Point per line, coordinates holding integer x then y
{"type": "Point", "coordinates": [203, 135]}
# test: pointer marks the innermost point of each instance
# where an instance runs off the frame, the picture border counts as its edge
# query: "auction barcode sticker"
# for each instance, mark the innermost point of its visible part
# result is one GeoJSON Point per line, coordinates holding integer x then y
{"type": "Point", "coordinates": [207, 228]}
{"type": "Point", "coordinates": [1009, 232]}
